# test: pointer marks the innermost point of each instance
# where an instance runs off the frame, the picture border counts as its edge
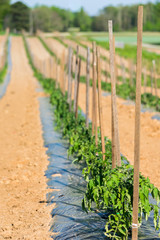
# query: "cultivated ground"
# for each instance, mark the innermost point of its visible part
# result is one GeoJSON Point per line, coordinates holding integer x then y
{"type": "Point", "coordinates": [23, 211]}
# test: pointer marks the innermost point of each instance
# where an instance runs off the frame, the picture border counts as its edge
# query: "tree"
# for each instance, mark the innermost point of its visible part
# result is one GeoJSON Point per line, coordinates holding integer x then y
{"type": "Point", "coordinates": [20, 14]}
{"type": "Point", "coordinates": [4, 10]}
{"type": "Point", "coordinates": [67, 17]}
{"type": "Point", "coordinates": [99, 23]}
{"type": "Point", "coordinates": [82, 20]}
{"type": "Point", "coordinates": [46, 19]}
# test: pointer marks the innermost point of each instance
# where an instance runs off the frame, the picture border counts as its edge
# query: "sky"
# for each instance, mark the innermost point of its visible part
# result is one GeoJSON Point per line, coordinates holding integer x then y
{"type": "Point", "coordinates": [91, 6]}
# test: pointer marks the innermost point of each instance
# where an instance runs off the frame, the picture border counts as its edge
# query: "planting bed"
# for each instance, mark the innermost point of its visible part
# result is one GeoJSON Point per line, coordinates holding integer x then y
{"type": "Point", "coordinates": [68, 188]}
{"type": "Point", "coordinates": [37, 49]}
{"type": "Point", "coordinates": [23, 212]}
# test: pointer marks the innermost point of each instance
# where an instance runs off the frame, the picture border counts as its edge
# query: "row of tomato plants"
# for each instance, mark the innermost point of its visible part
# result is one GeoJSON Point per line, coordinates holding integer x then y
{"type": "Point", "coordinates": [107, 190]}
{"type": "Point", "coordinates": [4, 69]}
{"type": "Point", "coordinates": [124, 90]}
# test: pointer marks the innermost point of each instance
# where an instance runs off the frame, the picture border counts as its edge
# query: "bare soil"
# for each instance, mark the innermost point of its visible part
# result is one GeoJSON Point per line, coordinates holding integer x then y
{"type": "Point", "coordinates": [24, 213]}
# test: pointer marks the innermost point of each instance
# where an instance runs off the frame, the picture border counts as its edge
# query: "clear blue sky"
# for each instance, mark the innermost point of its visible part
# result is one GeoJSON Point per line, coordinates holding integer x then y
{"type": "Point", "coordinates": [91, 6]}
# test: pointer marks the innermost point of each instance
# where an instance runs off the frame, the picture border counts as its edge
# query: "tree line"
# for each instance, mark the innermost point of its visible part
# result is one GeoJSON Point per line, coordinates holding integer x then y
{"type": "Point", "coordinates": [19, 16]}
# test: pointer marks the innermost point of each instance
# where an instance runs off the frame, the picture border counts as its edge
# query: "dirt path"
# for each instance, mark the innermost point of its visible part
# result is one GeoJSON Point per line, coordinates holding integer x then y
{"type": "Point", "coordinates": [23, 211]}
{"type": "Point", "coordinates": [150, 134]}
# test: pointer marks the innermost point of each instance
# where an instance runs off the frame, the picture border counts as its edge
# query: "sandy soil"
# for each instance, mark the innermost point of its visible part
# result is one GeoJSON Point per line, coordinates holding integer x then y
{"type": "Point", "coordinates": [23, 210]}
{"type": "Point", "coordinates": [38, 50]}
{"type": "Point", "coordinates": [150, 134]}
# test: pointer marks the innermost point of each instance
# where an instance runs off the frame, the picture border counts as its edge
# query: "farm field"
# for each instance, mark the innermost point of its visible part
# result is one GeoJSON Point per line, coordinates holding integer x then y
{"type": "Point", "coordinates": [67, 98]}
{"type": "Point", "coordinates": [79, 123]}
{"type": "Point", "coordinates": [30, 146]}
{"type": "Point", "coordinates": [125, 37]}
{"type": "Point", "coordinates": [26, 178]}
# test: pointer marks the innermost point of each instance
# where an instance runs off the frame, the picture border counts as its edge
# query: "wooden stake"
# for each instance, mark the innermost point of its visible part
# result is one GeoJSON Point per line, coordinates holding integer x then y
{"type": "Point", "coordinates": [152, 80]}
{"type": "Point", "coordinates": [115, 67]}
{"type": "Point", "coordinates": [112, 73]}
{"type": "Point", "coordinates": [69, 76]}
{"type": "Point", "coordinates": [70, 104]}
{"type": "Point", "coordinates": [123, 71]}
{"type": "Point", "coordinates": [155, 79]}
{"type": "Point", "coordinates": [57, 72]}
{"type": "Point", "coordinates": [116, 157]}
{"type": "Point", "coordinates": [94, 97]}
{"type": "Point", "coordinates": [93, 75]}
{"type": "Point", "coordinates": [145, 79]}
{"type": "Point", "coordinates": [51, 67]}
{"type": "Point", "coordinates": [87, 86]}
{"type": "Point", "coordinates": [100, 102]}
{"type": "Point", "coordinates": [131, 72]}
{"type": "Point", "coordinates": [137, 126]}
{"type": "Point", "coordinates": [44, 69]}
{"type": "Point", "coordinates": [62, 71]}
{"type": "Point", "coordinates": [75, 81]}
{"type": "Point", "coordinates": [77, 95]}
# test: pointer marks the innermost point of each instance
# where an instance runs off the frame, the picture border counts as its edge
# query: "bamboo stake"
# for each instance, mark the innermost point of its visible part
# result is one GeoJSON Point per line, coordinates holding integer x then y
{"type": "Point", "coordinates": [77, 95]}
{"type": "Point", "coordinates": [87, 86]}
{"type": "Point", "coordinates": [137, 126]}
{"type": "Point", "coordinates": [75, 81]}
{"type": "Point", "coordinates": [115, 134]}
{"type": "Point", "coordinates": [94, 100]}
{"type": "Point", "coordinates": [100, 102]}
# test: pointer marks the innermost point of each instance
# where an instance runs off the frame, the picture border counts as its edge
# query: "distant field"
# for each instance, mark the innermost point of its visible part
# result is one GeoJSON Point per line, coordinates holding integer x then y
{"type": "Point", "coordinates": [126, 37]}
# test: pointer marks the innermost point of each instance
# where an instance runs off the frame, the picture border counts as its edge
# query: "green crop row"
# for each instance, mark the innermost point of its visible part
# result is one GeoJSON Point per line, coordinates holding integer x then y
{"type": "Point", "coordinates": [130, 52]}
{"type": "Point", "coordinates": [126, 91]}
{"type": "Point", "coordinates": [4, 69]}
{"type": "Point", "coordinates": [108, 190]}
{"type": "Point", "coordinates": [3, 73]}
